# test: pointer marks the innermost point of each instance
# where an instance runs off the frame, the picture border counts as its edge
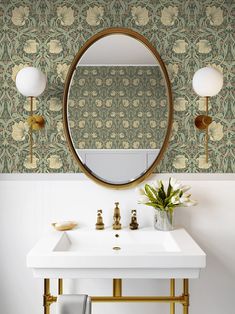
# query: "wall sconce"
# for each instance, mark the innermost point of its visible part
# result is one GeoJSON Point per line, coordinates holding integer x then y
{"type": "Point", "coordinates": [207, 82]}
{"type": "Point", "coordinates": [31, 83]}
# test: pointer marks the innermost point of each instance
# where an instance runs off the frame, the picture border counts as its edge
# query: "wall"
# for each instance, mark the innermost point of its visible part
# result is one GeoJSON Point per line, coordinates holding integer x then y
{"type": "Point", "coordinates": [47, 34]}
{"type": "Point", "coordinates": [30, 204]}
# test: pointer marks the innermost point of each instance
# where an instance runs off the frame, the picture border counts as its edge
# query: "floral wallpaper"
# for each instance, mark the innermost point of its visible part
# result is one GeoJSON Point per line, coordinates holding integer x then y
{"type": "Point", "coordinates": [116, 107]}
{"type": "Point", "coordinates": [47, 34]}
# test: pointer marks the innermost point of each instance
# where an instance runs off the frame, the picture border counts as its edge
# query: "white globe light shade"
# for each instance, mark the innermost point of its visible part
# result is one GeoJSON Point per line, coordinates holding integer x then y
{"type": "Point", "coordinates": [30, 82]}
{"type": "Point", "coordinates": [207, 82]}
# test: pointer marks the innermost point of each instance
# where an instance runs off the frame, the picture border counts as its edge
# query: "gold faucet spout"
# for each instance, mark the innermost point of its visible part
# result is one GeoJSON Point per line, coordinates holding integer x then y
{"type": "Point", "coordinates": [117, 217]}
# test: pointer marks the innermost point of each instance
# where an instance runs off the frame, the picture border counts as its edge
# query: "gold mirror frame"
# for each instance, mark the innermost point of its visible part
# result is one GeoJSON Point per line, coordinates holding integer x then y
{"type": "Point", "coordinates": [92, 40]}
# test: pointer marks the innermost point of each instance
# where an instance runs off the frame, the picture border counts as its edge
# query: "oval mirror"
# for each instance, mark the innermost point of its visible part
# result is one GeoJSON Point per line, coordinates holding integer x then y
{"type": "Point", "coordinates": [117, 108]}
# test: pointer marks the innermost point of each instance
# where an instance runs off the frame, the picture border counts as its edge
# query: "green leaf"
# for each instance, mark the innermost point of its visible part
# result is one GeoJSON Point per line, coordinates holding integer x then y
{"type": "Point", "coordinates": [149, 193]}
{"type": "Point", "coordinates": [155, 205]}
{"type": "Point", "coordinates": [153, 190]}
{"type": "Point", "coordinates": [160, 201]}
{"type": "Point", "coordinates": [169, 188]}
{"type": "Point", "coordinates": [151, 204]}
{"type": "Point", "coordinates": [162, 193]}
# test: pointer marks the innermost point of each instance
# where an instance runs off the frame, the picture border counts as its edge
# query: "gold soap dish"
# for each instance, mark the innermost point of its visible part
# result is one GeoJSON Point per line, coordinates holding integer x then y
{"type": "Point", "coordinates": [64, 225]}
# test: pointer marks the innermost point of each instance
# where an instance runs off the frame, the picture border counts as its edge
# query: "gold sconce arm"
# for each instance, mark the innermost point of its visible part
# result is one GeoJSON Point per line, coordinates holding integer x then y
{"type": "Point", "coordinates": [202, 122]}
{"type": "Point", "coordinates": [35, 123]}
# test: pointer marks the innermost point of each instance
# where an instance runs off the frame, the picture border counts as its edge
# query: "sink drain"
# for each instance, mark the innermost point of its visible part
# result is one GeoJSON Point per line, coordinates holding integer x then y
{"type": "Point", "coordinates": [116, 248]}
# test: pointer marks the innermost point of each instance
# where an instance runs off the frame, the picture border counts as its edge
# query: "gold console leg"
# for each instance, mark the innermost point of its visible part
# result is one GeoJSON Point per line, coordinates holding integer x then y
{"type": "Point", "coordinates": [48, 299]}
{"type": "Point", "coordinates": [46, 294]}
{"type": "Point", "coordinates": [172, 292]}
{"type": "Point", "coordinates": [60, 286]}
{"type": "Point", "coordinates": [117, 287]}
{"type": "Point", "coordinates": [186, 297]}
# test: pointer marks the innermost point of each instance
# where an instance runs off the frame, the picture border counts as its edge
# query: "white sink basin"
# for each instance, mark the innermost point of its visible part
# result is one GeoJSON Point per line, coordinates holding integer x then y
{"type": "Point", "coordinates": [105, 242]}
{"type": "Point", "coordinates": [144, 253]}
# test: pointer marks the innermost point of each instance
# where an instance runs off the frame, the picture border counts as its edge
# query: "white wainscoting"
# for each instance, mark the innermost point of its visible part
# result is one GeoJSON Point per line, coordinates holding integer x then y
{"type": "Point", "coordinates": [30, 202]}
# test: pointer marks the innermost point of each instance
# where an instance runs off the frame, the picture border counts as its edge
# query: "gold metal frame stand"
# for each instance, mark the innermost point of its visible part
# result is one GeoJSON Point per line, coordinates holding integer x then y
{"type": "Point", "coordinates": [48, 299]}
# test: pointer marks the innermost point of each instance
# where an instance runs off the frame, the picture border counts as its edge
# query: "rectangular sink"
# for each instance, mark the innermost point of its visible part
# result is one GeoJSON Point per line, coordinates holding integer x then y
{"type": "Point", "coordinates": [127, 242]}
{"type": "Point", "coordinates": [144, 253]}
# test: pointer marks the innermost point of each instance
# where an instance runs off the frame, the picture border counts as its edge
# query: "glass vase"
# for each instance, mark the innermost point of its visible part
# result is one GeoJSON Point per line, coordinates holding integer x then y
{"type": "Point", "coordinates": [163, 220]}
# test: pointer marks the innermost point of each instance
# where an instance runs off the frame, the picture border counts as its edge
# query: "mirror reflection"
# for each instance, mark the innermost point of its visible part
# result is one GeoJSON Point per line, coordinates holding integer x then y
{"type": "Point", "coordinates": [117, 108]}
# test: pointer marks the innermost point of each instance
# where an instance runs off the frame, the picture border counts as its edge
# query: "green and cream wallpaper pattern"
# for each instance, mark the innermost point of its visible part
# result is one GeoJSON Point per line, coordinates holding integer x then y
{"type": "Point", "coordinates": [118, 107]}
{"type": "Point", "coordinates": [48, 33]}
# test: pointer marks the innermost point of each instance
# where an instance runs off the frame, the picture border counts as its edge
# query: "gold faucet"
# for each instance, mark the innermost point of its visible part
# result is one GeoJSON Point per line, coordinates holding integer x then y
{"type": "Point", "coordinates": [134, 224]}
{"type": "Point", "coordinates": [116, 218]}
{"type": "Point", "coordinates": [99, 224]}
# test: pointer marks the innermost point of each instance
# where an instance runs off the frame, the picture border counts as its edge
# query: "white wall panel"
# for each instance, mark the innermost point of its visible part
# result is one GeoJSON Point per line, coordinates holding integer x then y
{"type": "Point", "coordinates": [29, 203]}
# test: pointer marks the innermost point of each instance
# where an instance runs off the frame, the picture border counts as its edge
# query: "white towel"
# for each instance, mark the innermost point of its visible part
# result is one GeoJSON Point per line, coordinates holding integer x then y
{"type": "Point", "coordinates": [73, 304]}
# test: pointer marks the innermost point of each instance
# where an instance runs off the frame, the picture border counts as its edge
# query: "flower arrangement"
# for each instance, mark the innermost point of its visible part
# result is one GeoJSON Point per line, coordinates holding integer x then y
{"type": "Point", "coordinates": [165, 200]}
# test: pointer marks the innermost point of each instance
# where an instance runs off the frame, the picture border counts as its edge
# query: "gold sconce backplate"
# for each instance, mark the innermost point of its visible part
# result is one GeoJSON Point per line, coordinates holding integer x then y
{"type": "Point", "coordinates": [202, 122]}
{"type": "Point", "coordinates": [36, 122]}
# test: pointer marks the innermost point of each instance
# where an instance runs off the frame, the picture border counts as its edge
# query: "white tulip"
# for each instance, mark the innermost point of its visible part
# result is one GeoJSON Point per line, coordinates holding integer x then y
{"type": "Point", "coordinates": [190, 203]}
{"type": "Point", "coordinates": [175, 200]}
{"type": "Point", "coordinates": [186, 201]}
{"type": "Point", "coordinates": [184, 198]}
{"type": "Point", "coordinates": [175, 184]}
{"type": "Point", "coordinates": [185, 188]}
{"type": "Point", "coordinates": [143, 199]}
